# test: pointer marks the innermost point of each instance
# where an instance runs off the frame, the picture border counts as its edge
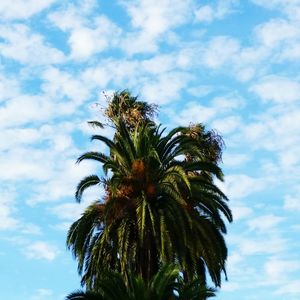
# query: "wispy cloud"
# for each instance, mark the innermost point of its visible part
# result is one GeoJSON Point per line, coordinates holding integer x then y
{"type": "Point", "coordinates": [20, 43]}
{"type": "Point", "coordinates": [21, 10]}
{"type": "Point", "coordinates": [216, 11]}
{"type": "Point", "coordinates": [41, 250]}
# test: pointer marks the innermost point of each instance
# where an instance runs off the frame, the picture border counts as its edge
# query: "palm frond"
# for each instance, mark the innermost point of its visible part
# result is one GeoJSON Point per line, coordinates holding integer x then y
{"type": "Point", "coordinates": [81, 295]}
{"type": "Point", "coordinates": [84, 184]}
{"type": "Point", "coordinates": [97, 156]}
{"type": "Point", "coordinates": [96, 124]}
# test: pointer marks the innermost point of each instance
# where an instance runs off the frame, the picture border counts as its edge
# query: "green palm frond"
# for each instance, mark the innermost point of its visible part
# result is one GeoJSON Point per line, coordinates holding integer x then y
{"type": "Point", "coordinates": [195, 291]}
{"type": "Point", "coordinates": [97, 156]}
{"type": "Point", "coordinates": [81, 295]}
{"type": "Point", "coordinates": [84, 184]}
{"type": "Point", "coordinates": [164, 282]}
{"type": "Point", "coordinates": [167, 283]}
{"type": "Point", "coordinates": [81, 232]}
{"type": "Point", "coordinates": [96, 124]}
{"type": "Point", "coordinates": [109, 143]}
{"type": "Point", "coordinates": [204, 166]}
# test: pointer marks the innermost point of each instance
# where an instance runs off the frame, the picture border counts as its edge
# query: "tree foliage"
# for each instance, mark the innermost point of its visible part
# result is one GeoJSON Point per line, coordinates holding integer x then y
{"type": "Point", "coordinates": [161, 203]}
{"type": "Point", "coordinates": [122, 105]}
{"type": "Point", "coordinates": [166, 284]}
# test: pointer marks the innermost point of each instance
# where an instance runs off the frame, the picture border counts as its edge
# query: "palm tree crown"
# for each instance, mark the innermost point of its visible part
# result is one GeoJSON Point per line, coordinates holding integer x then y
{"type": "Point", "coordinates": [158, 207]}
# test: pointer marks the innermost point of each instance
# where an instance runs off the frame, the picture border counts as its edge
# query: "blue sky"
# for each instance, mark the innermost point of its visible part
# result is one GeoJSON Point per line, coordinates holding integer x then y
{"type": "Point", "coordinates": [233, 65]}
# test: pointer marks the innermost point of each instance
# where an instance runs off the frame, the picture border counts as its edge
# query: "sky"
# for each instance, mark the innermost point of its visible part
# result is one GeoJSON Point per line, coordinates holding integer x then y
{"type": "Point", "coordinates": [233, 65]}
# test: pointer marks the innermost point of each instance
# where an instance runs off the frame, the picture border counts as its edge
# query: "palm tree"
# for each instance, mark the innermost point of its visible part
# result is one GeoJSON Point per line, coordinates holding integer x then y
{"type": "Point", "coordinates": [157, 208]}
{"type": "Point", "coordinates": [166, 284]}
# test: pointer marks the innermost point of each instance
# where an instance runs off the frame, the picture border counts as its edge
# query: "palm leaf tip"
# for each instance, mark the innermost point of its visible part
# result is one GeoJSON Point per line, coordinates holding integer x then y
{"type": "Point", "coordinates": [97, 156]}
{"type": "Point", "coordinates": [81, 295]}
{"type": "Point", "coordinates": [95, 124]}
{"type": "Point", "coordinates": [84, 184]}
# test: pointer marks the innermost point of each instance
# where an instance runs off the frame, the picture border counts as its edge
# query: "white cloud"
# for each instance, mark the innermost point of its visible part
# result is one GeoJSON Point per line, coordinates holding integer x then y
{"type": "Point", "coordinates": [226, 125]}
{"type": "Point", "coordinates": [9, 87]}
{"type": "Point", "coordinates": [26, 47]}
{"type": "Point", "coordinates": [151, 19]}
{"type": "Point", "coordinates": [61, 95]}
{"type": "Point", "coordinates": [124, 73]}
{"type": "Point", "coordinates": [87, 35]}
{"type": "Point", "coordinates": [292, 203]}
{"type": "Point", "coordinates": [68, 211]}
{"type": "Point", "coordinates": [206, 14]}
{"type": "Point", "coordinates": [7, 221]}
{"type": "Point", "coordinates": [240, 212]}
{"type": "Point", "coordinates": [289, 7]}
{"type": "Point", "coordinates": [85, 42]}
{"type": "Point", "coordinates": [245, 73]}
{"type": "Point", "coordinates": [73, 15]}
{"type": "Point", "coordinates": [154, 79]}
{"type": "Point", "coordinates": [291, 52]}
{"type": "Point", "coordinates": [62, 226]}
{"type": "Point", "coordinates": [277, 88]}
{"type": "Point", "coordinates": [228, 102]}
{"type": "Point", "coordinates": [237, 186]}
{"type": "Point", "coordinates": [42, 294]}
{"type": "Point", "coordinates": [278, 270]}
{"type": "Point", "coordinates": [62, 180]}
{"type": "Point", "coordinates": [235, 160]}
{"type": "Point", "coordinates": [157, 17]}
{"type": "Point", "coordinates": [264, 223]}
{"type": "Point", "coordinates": [19, 9]}
{"type": "Point", "coordinates": [8, 212]}
{"type": "Point", "coordinates": [71, 211]}
{"type": "Point", "coordinates": [292, 287]}
{"type": "Point", "coordinates": [12, 138]}
{"type": "Point", "coordinates": [255, 246]}
{"type": "Point", "coordinates": [193, 112]}
{"type": "Point", "coordinates": [31, 229]}
{"type": "Point", "coordinates": [273, 41]}
{"type": "Point", "coordinates": [230, 286]}
{"type": "Point", "coordinates": [276, 130]}
{"type": "Point", "coordinates": [58, 84]}
{"type": "Point", "coordinates": [275, 3]}
{"type": "Point", "coordinates": [234, 260]}
{"type": "Point", "coordinates": [96, 76]}
{"type": "Point", "coordinates": [199, 91]}
{"type": "Point", "coordinates": [219, 51]}
{"type": "Point", "coordinates": [290, 159]}
{"type": "Point", "coordinates": [276, 31]}
{"type": "Point", "coordinates": [24, 109]}
{"type": "Point", "coordinates": [26, 164]}
{"type": "Point", "coordinates": [165, 87]}
{"type": "Point", "coordinates": [41, 250]}
{"type": "Point", "coordinates": [36, 158]}
{"type": "Point", "coordinates": [209, 13]}
{"type": "Point", "coordinates": [249, 61]}
{"type": "Point", "coordinates": [7, 202]}
{"type": "Point", "coordinates": [82, 42]}
{"type": "Point", "coordinates": [143, 43]}
{"type": "Point", "coordinates": [159, 64]}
